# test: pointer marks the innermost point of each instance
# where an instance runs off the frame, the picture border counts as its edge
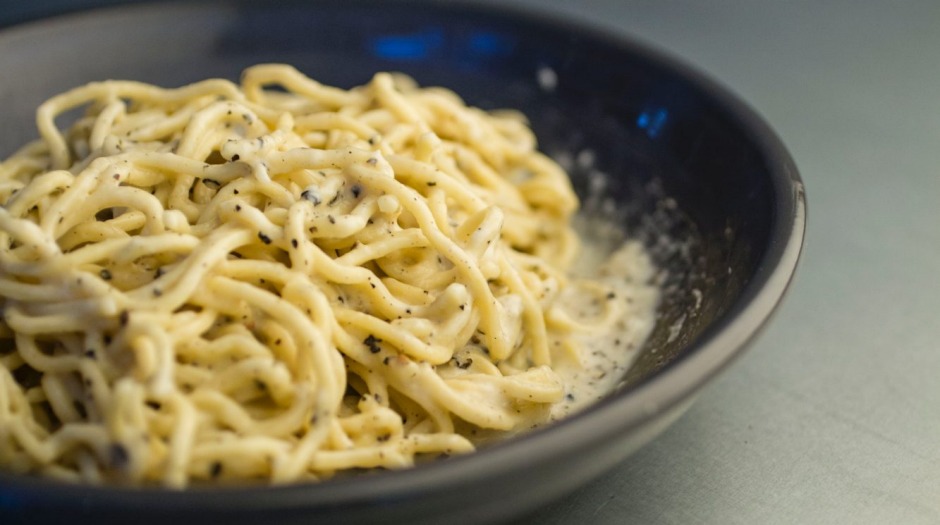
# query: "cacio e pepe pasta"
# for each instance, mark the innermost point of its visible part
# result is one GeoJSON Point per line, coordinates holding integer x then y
{"type": "Point", "coordinates": [279, 280]}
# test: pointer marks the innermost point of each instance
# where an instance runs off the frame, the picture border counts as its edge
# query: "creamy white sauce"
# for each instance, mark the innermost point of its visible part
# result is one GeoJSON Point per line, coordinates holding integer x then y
{"type": "Point", "coordinates": [626, 271]}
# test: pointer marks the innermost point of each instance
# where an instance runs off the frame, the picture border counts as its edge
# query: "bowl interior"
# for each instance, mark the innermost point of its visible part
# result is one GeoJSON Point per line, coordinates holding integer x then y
{"type": "Point", "coordinates": [681, 172]}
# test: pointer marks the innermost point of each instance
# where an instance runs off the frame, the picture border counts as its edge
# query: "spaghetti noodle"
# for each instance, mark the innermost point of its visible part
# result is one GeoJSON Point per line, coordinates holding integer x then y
{"type": "Point", "coordinates": [277, 280]}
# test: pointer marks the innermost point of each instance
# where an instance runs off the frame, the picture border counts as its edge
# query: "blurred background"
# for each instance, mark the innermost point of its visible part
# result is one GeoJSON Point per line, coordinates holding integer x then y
{"type": "Point", "coordinates": [833, 416]}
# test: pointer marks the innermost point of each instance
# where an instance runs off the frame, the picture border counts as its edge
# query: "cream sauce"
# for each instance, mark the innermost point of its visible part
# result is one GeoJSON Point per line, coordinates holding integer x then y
{"type": "Point", "coordinates": [603, 356]}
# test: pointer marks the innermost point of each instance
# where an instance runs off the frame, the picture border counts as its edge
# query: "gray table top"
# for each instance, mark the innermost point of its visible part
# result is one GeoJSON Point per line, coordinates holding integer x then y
{"type": "Point", "coordinates": [833, 416]}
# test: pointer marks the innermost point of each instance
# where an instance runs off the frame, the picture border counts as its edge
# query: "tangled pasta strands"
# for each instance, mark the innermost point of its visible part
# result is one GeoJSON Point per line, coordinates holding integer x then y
{"type": "Point", "coordinates": [234, 282]}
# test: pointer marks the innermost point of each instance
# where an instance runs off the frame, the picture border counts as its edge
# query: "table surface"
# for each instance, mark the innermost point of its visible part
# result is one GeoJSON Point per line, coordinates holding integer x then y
{"type": "Point", "coordinates": [833, 415]}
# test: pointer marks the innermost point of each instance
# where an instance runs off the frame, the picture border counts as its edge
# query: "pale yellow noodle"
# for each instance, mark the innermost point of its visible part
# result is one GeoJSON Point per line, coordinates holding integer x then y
{"type": "Point", "coordinates": [233, 282]}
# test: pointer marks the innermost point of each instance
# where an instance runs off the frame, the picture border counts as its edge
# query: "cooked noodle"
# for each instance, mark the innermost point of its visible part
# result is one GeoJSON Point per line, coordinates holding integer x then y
{"type": "Point", "coordinates": [276, 280]}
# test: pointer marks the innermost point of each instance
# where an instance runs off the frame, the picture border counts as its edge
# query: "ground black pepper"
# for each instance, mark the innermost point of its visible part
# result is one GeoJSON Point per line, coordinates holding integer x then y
{"type": "Point", "coordinates": [311, 196]}
{"type": "Point", "coordinates": [118, 456]}
{"type": "Point", "coordinates": [373, 343]}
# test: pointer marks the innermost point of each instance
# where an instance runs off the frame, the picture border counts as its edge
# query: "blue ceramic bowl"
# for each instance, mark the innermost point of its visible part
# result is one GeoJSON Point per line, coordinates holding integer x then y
{"type": "Point", "coordinates": [687, 162]}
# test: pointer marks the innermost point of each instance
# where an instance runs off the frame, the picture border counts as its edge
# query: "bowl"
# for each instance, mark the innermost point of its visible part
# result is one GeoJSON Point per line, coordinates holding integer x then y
{"type": "Point", "coordinates": [686, 167]}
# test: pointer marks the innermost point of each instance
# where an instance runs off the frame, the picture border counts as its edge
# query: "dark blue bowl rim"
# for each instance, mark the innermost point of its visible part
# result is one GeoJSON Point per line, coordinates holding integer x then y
{"type": "Point", "coordinates": [617, 415]}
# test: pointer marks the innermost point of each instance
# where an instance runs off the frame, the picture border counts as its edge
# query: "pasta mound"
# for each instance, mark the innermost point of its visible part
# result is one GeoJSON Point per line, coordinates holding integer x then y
{"type": "Point", "coordinates": [274, 280]}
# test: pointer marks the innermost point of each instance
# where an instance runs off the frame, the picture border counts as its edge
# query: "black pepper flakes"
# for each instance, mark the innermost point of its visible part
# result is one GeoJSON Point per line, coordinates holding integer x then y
{"type": "Point", "coordinates": [356, 190]}
{"type": "Point", "coordinates": [124, 317]}
{"type": "Point", "coordinates": [431, 183]}
{"type": "Point", "coordinates": [311, 196]}
{"type": "Point", "coordinates": [373, 343]}
{"type": "Point", "coordinates": [118, 456]}
{"type": "Point", "coordinates": [264, 238]}
{"type": "Point", "coordinates": [294, 243]}
{"type": "Point", "coordinates": [331, 219]}
{"type": "Point", "coordinates": [372, 161]}
{"type": "Point", "coordinates": [105, 274]}
{"type": "Point", "coordinates": [157, 292]}
{"type": "Point", "coordinates": [215, 470]}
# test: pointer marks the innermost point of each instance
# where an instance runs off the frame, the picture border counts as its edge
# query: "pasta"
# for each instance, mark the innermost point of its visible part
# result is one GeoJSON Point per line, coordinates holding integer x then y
{"type": "Point", "coordinates": [277, 280]}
